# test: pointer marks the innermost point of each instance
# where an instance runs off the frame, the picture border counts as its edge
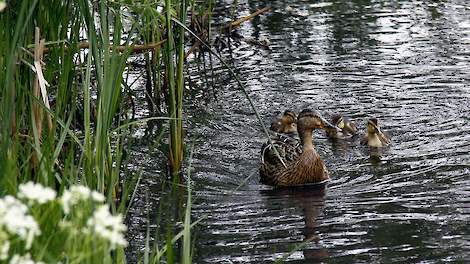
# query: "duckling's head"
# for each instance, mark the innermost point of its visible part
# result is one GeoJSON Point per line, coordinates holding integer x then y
{"type": "Point", "coordinates": [288, 117]}
{"type": "Point", "coordinates": [285, 124]}
{"type": "Point", "coordinates": [338, 120]}
{"type": "Point", "coordinates": [372, 125]}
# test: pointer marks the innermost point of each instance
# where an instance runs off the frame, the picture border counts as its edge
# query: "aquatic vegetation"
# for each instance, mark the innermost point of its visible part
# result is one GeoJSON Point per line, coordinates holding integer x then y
{"type": "Point", "coordinates": [64, 103]}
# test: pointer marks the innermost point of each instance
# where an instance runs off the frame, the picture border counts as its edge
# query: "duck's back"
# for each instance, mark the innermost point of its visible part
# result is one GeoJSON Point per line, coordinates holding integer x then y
{"type": "Point", "coordinates": [297, 168]}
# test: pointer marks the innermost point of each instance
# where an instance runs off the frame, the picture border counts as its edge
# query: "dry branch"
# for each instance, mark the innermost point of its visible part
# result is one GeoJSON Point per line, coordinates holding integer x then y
{"type": "Point", "coordinates": [239, 21]}
{"type": "Point", "coordinates": [230, 26]}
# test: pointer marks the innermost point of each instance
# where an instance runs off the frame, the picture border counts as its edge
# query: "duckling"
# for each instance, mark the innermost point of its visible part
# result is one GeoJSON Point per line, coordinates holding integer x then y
{"type": "Point", "coordinates": [286, 124]}
{"type": "Point", "coordinates": [347, 128]}
{"type": "Point", "coordinates": [374, 136]}
{"type": "Point", "coordinates": [300, 164]}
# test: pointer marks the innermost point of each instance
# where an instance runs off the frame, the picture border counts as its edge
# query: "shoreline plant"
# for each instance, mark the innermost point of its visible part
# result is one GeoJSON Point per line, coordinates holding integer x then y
{"type": "Point", "coordinates": [65, 99]}
{"type": "Point", "coordinates": [76, 227]}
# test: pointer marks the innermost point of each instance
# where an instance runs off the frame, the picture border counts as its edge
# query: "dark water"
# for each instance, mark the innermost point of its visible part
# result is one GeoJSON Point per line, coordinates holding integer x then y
{"type": "Point", "coordinates": [406, 63]}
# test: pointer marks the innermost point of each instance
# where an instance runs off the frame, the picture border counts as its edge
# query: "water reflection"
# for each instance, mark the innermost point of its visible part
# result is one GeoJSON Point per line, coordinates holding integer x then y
{"type": "Point", "coordinates": [310, 201]}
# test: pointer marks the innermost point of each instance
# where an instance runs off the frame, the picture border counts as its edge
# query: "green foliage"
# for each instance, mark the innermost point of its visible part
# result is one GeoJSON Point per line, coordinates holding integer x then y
{"type": "Point", "coordinates": [74, 228]}
{"type": "Point", "coordinates": [79, 137]}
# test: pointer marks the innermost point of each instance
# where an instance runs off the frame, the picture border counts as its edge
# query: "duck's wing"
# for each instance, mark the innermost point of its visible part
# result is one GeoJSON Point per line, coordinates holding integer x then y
{"type": "Point", "coordinates": [277, 154]}
{"type": "Point", "coordinates": [287, 147]}
{"type": "Point", "coordinates": [385, 138]}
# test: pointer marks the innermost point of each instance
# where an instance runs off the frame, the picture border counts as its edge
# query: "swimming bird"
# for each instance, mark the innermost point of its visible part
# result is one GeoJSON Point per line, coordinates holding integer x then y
{"type": "Point", "coordinates": [287, 123]}
{"type": "Point", "coordinates": [374, 137]}
{"type": "Point", "coordinates": [300, 164]}
{"type": "Point", "coordinates": [347, 128]}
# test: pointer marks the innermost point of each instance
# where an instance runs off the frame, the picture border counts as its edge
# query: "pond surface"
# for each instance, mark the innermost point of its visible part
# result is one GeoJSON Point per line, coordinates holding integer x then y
{"type": "Point", "coordinates": [406, 63]}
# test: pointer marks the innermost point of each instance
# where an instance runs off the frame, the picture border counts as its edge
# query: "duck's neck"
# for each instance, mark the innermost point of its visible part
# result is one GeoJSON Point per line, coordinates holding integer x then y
{"type": "Point", "coordinates": [374, 140]}
{"type": "Point", "coordinates": [306, 139]}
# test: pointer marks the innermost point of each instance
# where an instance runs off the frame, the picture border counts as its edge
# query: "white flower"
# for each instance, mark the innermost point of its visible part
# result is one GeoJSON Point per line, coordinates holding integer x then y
{"type": "Point", "coordinates": [4, 250]}
{"type": "Point", "coordinates": [78, 193]}
{"type": "Point", "coordinates": [107, 226]}
{"type": "Point", "coordinates": [14, 218]}
{"type": "Point", "coordinates": [35, 192]}
{"type": "Point", "coordinates": [26, 259]}
{"type": "Point", "coordinates": [2, 5]}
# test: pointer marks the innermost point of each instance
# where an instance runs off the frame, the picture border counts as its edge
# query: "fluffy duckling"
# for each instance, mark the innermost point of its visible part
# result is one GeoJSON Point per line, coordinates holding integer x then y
{"type": "Point", "coordinates": [300, 164]}
{"type": "Point", "coordinates": [286, 124]}
{"type": "Point", "coordinates": [374, 136]}
{"type": "Point", "coordinates": [347, 128]}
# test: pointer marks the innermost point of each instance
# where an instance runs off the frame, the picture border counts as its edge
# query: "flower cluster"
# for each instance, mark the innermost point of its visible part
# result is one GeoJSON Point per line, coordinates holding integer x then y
{"type": "Point", "coordinates": [35, 192]}
{"type": "Point", "coordinates": [15, 220]}
{"type": "Point", "coordinates": [26, 259]}
{"type": "Point", "coordinates": [91, 218]}
{"type": "Point", "coordinates": [77, 194]}
{"type": "Point", "coordinates": [108, 227]}
{"type": "Point", "coordinates": [101, 222]}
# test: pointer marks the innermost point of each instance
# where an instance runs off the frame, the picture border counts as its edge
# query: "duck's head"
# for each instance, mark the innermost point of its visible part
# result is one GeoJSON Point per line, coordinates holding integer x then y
{"type": "Point", "coordinates": [373, 126]}
{"type": "Point", "coordinates": [286, 123]}
{"type": "Point", "coordinates": [309, 120]}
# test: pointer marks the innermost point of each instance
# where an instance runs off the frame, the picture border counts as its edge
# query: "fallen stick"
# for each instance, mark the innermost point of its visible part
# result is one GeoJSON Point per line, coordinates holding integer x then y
{"type": "Point", "coordinates": [239, 21]}
{"type": "Point", "coordinates": [230, 26]}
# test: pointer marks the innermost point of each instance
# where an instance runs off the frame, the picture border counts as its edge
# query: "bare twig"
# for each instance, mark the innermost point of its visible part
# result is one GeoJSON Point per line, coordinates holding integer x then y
{"type": "Point", "coordinates": [239, 21]}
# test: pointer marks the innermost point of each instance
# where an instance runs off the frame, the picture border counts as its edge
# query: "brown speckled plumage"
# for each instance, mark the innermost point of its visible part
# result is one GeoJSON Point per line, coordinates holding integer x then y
{"type": "Point", "coordinates": [301, 163]}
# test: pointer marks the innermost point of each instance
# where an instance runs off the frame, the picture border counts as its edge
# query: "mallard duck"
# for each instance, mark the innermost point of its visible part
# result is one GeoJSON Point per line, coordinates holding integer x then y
{"type": "Point", "coordinates": [347, 128]}
{"type": "Point", "coordinates": [286, 124]}
{"type": "Point", "coordinates": [300, 164]}
{"type": "Point", "coordinates": [374, 136]}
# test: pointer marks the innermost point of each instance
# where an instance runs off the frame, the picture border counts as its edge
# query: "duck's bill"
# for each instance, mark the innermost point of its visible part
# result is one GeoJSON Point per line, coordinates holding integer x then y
{"type": "Point", "coordinates": [376, 128]}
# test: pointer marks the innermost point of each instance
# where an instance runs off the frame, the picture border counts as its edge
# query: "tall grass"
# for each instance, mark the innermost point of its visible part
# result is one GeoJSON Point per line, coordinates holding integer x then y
{"type": "Point", "coordinates": [79, 138]}
{"type": "Point", "coordinates": [175, 89]}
